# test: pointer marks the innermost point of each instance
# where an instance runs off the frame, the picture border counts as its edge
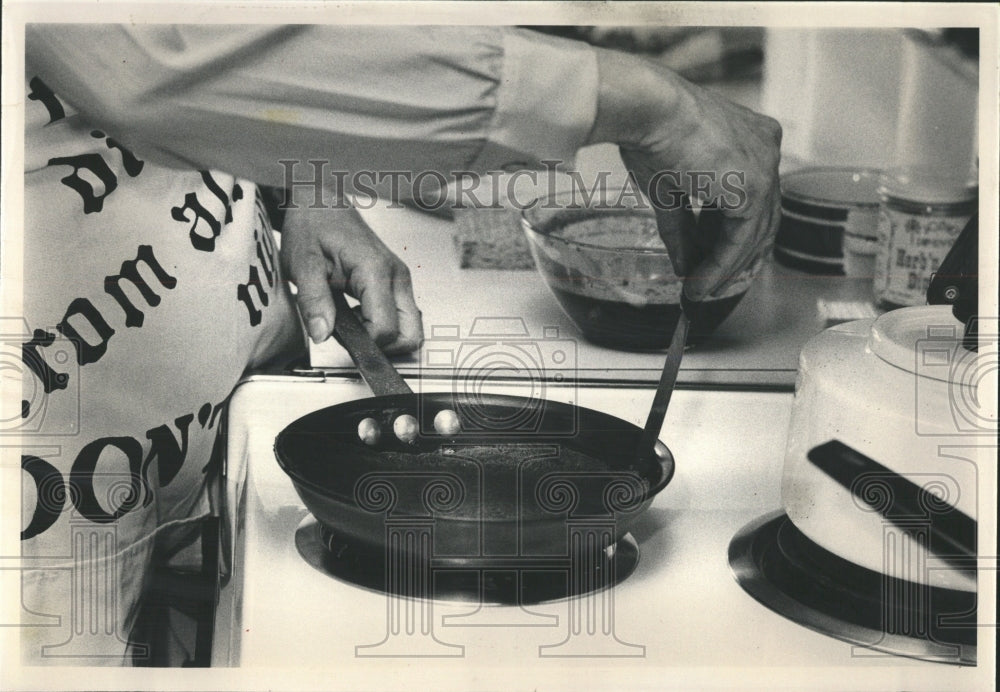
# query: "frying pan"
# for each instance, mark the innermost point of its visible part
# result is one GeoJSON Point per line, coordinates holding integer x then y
{"type": "Point", "coordinates": [517, 480]}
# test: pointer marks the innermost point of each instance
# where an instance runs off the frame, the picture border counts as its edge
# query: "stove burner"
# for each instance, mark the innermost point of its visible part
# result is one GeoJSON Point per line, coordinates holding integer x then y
{"type": "Point", "coordinates": [503, 580]}
{"type": "Point", "coordinates": [780, 567]}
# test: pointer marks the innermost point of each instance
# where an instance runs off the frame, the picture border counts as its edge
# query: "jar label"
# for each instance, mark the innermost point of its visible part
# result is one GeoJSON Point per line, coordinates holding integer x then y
{"type": "Point", "coordinates": [911, 247]}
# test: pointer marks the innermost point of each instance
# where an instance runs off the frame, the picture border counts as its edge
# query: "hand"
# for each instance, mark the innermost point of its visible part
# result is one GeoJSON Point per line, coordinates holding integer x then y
{"type": "Point", "coordinates": [333, 249]}
{"type": "Point", "coordinates": [661, 123]}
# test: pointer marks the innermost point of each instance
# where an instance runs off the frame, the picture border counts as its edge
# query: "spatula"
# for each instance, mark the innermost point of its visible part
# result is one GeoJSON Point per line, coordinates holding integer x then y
{"type": "Point", "coordinates": [380, 375]}
{"type": "Point", "coordinates": [646, 450]}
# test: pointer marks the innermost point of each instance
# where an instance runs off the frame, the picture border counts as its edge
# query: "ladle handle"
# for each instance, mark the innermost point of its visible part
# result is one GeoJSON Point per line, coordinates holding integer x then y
{"type": "Point", "coordinates": [374, 366]}
{"type": "Point", "coordinates": [661, 399]}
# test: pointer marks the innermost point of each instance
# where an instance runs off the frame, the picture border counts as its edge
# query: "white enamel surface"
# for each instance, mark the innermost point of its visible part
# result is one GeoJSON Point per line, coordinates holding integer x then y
{"type": "Point", "coordinates": [682, 603]}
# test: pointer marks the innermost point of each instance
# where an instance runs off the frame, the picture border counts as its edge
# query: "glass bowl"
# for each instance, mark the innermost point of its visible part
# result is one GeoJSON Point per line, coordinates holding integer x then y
{"type": "Point", "coordinates": [609, 270]}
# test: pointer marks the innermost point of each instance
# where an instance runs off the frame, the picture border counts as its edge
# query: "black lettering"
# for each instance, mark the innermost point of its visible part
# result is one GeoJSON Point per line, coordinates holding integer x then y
{"type": "Point", "coordinates": [81, 479]}
{"type": "Point", "coordinates": [50, 491]}
{"type": "Point", "coordinates": [243, 295]}
{"type": "Point", "coordinates": [264, 256]}
{"type": "Point", "coordinates": [95, 164]}
{"type": "Point", "coordinates": [130, 163]}
{"type": "Point", "coordinates": [219, 408]}
{"type": "Point", "coordinates": [33, 360]}
{"type": "Point", "coordinates": [214, 188]}
{"type": "Point", "coordinates": [216, 459]}
{"type": "Point", "coordinates": [85, 352]}
{"type": "Point", "coordinates": [130, 271]}
{"type": "Point", "coordinates": [41, 92]}
{"type": "Point", "coordinates": [263, 218]}
{"type": "Point", "coordinates": [165, 449]}
{"type": "Point", "coordinates": [203, 413]}
{"type": "Point", "coordinates": [199, 241]}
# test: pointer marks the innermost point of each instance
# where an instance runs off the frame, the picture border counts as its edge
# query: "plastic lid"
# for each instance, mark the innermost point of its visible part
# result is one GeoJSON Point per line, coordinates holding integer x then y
{"type": "Point", "coordinates": [924, 340]}
{"type": "Point", "coordinates": [928, 186]}
{"type": "Point", "coordinates": [839, 187]}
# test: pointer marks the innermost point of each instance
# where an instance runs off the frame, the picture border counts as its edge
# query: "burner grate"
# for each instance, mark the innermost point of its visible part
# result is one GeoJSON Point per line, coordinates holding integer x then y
{"type": "Point", "coordinates": [487, 580]}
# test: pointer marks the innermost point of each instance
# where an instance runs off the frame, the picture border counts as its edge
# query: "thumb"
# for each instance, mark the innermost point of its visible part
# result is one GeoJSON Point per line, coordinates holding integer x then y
{"type": "Point", "coordinates": [314, 299]}
{"type": "Point", "coordinates": [678, 229]}
{"type": "Point", "coordinates": [704, 271]}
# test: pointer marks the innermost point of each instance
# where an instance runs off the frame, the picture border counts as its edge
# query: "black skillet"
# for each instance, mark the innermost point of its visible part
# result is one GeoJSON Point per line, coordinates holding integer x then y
{"type": "Point", "coordinates": [520, 473]}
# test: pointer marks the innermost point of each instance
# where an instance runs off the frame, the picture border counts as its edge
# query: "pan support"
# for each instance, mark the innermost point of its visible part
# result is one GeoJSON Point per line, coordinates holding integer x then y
{"type": "Point", "coordinates": [584, 574]}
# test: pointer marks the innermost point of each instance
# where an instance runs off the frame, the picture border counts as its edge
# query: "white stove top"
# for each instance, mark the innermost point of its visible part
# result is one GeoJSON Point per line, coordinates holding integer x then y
{"type": "Point", "coordinates": [679, 619]}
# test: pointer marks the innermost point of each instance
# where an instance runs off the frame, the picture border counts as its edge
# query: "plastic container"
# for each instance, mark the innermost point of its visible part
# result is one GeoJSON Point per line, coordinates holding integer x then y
{"type": "Point", "coordinates": [902, 390]}
{"type": "Point", "coordinates": [829, 217]}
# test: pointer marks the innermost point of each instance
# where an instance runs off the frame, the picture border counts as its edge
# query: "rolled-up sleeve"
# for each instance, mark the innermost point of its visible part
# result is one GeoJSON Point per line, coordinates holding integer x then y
{"type": "Point", "coordinates": [382, 98]}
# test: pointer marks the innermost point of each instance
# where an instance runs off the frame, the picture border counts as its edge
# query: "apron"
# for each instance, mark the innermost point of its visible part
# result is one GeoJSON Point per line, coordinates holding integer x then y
{"type": "Point", "coordinates": [148, 292]}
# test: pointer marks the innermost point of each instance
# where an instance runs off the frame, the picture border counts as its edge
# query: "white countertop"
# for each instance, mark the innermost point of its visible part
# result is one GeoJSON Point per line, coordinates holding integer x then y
{"type": "Point", "coordinates": [296, 627]}
{"type": "Point", "coordinates": [758, 345]}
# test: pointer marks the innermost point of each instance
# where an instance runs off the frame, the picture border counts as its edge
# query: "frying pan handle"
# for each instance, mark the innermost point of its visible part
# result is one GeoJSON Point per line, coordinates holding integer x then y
{"type": "Point", "coordinates": [374, 366]}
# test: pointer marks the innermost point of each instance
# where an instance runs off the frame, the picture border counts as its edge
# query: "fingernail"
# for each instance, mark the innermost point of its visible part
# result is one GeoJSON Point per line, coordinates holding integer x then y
{"type": "Point", "coordinates": [319, 330]}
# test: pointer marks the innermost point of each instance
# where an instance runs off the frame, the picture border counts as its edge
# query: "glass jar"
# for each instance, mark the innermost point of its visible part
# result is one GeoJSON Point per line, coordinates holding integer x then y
{"type": "Point", "coordinates": [920, 216]}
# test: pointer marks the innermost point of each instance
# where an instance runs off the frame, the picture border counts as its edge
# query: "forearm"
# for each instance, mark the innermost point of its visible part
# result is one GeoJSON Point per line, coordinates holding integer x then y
{"type": "Point", "coordinates": [624, 99]}
{"type": "Point", "coordinates": [241, 99]}
{"type": "Point", "coordinates": [636, 98]}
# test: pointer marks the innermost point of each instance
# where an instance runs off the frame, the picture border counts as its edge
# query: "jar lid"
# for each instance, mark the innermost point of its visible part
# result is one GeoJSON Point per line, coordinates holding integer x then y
{"type": "Point", "coordinates": [928, 186]}
{"type": "Point", "coordinates": [839, 187]}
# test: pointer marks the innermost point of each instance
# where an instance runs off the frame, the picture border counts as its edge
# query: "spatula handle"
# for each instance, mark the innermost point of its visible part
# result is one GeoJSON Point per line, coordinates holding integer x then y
{"type": "Point", "coordinates": [661, 399]}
